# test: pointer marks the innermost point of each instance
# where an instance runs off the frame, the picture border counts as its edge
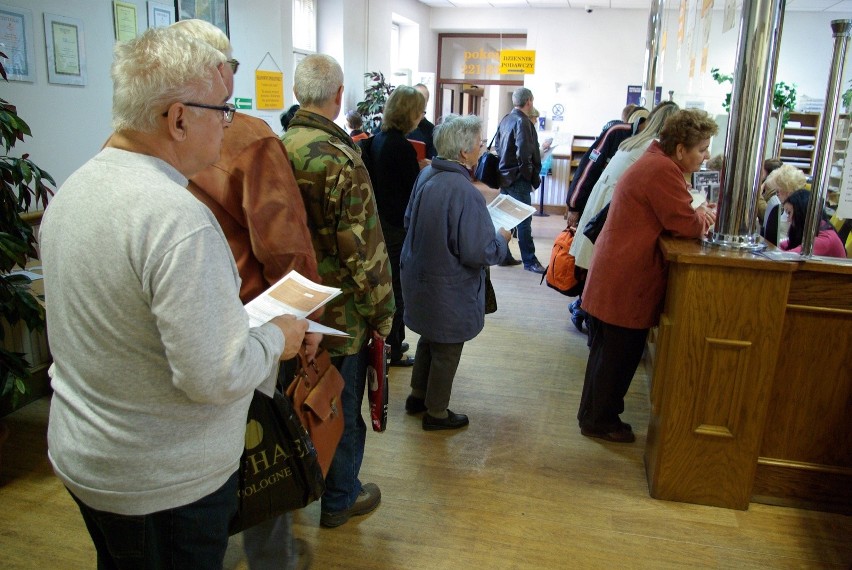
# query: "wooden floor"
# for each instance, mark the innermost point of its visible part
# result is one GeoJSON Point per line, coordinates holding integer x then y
{"type": "Point", "coordinates": [519, 488]}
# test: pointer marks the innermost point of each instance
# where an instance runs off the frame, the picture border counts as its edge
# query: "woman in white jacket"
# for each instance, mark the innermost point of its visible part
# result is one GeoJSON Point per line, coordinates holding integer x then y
{"type": "Point", "coordinates": [629, 152]}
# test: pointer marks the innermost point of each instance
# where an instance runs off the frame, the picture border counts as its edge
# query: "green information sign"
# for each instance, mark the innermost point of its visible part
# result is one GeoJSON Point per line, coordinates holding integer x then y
{"type": "Point", "coordinates": [242, 102]}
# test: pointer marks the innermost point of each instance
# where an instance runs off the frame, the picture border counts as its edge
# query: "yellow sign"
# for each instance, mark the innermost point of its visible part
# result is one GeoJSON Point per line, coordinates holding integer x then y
{"type": "Point", "coordinates": [269, 89]}
{"type": "Point", "coordinates": [517, 61]}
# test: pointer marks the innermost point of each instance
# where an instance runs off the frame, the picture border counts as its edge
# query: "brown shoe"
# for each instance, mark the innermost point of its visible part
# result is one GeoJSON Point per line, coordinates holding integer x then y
{"type": "Point", "coordinates": [367, 501]}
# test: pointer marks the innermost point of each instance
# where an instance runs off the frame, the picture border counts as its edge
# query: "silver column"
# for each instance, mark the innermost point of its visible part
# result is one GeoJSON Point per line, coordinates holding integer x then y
{"type": "Point", "coordinates": [822, 166]}
{"type": "Point", "coordinates": [751, 103]}
{"type": "Point", "coordinates": [652, 52]}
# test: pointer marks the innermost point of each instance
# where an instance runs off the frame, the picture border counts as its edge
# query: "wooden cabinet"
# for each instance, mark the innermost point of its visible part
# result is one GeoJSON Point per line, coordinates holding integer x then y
{"type": "Point", "coordinates": [798, 142]}
{"type": "Point", "coordinates": [579, 146]}
{"type": "Point", "coordinates": [839, 152]}
{"type": "Point", "coordinates": [751, 386]}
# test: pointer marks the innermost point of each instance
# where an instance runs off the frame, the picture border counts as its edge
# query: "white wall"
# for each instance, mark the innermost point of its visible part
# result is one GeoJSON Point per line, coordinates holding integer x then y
{"type": "Point", "coordinates": [596, 55]}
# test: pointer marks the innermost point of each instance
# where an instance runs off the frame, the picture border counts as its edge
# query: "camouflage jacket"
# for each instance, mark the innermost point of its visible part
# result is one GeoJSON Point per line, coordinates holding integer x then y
{"type": "Point", "coordinates": [347, 237]}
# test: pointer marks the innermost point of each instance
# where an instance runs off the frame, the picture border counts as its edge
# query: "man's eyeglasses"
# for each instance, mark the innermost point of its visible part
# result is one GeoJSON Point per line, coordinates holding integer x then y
{"type": "Point", "coordinates": [227, 109]}
{"type": "Point", "coordinates": [235, 65]}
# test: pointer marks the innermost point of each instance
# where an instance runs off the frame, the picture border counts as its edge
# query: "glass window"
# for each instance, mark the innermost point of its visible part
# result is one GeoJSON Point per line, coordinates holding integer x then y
{"type": "Point", "coordinates": [304, 26]}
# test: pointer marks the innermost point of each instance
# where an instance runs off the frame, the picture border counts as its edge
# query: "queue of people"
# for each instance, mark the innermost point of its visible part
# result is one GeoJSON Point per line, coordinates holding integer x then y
{"type": "Point", "coordinates": [147, 436]}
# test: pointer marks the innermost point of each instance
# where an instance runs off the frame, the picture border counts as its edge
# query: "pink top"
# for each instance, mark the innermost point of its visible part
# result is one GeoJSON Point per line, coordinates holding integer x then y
{"type": "Point", "coordinates": [826, 243]}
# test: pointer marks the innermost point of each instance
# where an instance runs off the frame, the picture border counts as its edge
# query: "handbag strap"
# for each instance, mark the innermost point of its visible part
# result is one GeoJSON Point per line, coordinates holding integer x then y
{"type": "Point", "coordinates": [494, 137]}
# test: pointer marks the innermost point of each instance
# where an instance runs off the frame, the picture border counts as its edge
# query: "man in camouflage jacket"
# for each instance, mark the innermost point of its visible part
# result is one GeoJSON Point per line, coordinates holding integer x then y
{"type": "Point", "coordinates": [351, 255]}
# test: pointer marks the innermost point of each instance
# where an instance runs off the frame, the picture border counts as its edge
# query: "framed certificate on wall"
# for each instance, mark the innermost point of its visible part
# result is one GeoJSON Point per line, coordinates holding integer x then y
{"type": "Point", "coordinates": [213, 11]}
{"type": "Point", "coordinates": [16, 42]}
{"type": "Point", "coordinates": [66, 50]}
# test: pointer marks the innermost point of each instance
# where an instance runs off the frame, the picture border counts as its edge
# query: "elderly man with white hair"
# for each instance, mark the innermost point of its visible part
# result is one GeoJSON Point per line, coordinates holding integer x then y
{"type": "Point", "coordinates": [155, 362]}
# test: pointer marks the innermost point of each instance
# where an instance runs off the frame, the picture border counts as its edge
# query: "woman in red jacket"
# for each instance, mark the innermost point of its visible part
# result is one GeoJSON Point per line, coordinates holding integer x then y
{"type": "Point", "coordinates": [627, 279]}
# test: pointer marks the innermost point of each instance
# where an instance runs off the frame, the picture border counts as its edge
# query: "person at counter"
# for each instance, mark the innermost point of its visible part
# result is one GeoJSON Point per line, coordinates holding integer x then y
{"type": "Point", "coordinates": [777, 187]}
{"type": "Point", "coordinates": [627, 278]}
{"type": "Point", "coordinates": [826, 240]}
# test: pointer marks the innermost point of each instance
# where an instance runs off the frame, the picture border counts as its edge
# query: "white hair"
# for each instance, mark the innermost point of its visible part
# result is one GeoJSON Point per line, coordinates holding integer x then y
{"type": "Point", "coordinates": [161, 67]}
{"type": "Point", "coordinates": [457, 133]}
{"type": "Point", "coordinates": [317, 79]}
{"type": "Point", "coordinates": [206, 32]}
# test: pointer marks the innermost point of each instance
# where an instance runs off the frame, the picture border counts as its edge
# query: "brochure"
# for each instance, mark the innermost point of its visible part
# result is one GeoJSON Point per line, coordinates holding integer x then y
{"type": "Point", "coordinates": [506, 212]}
{"type": "Point", "coordinates": [294, 295]}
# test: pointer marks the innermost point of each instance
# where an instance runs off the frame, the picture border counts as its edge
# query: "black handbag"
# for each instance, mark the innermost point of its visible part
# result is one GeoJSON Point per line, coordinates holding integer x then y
{"type": "Point", "coordinates": [595, 225]}
{"type": "Point", "coordinates": [488, 167]}
{"type": "Point", "coordinates": [279, 470]}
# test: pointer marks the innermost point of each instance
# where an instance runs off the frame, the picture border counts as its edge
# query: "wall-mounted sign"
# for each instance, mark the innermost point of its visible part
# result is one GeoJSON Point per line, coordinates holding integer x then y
{"type": "Point", "coordinates": [517, 61]}
{"type": "Point", "coordinates": [634, 96]}
{"type": "Point", "coordinates": [558, 113]}
{"type": "Point", "coordinates": [242, 103]}
{"type": "Point", "coordinates": [269, 89]}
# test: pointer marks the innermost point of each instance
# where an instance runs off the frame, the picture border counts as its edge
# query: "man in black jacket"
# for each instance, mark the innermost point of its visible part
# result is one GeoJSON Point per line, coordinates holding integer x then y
{"type": "Point", "coordinates": [423, 132]}
{"type": "Point", "coordinates": [520, 168]}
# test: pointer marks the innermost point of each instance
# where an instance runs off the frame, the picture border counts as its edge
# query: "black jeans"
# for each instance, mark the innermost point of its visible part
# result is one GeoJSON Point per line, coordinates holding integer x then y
{"type": "Point", "coordinates": [394, 238]}
{"type": "Point", "coordinates": [192, 536]}
{"type": "Point", "coordinates": [614, 356]}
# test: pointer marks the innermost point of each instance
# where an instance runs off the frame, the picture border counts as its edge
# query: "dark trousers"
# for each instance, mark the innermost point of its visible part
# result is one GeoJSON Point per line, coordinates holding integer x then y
{"type": "Point", "coordinates": [435, 365]}
{"type": "Point", "coordinates": [394, 238]}
{"type": "Point", "coordinates": [191, 536]}
{"type": "Point", "coordinates": [614, 356]}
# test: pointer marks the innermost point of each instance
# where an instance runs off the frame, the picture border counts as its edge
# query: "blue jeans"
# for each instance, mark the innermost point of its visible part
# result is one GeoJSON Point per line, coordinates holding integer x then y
{"type": "Point", "coordinates": [520, 190]}
{"type": "Point", "coordinates": [191, 536]}
{"type": "Point", "coordinates": [342, 485]}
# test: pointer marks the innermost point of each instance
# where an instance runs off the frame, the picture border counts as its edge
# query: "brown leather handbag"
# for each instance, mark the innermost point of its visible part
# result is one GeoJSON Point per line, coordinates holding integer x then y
{"type": "Point", "coordinates": [315, 392]}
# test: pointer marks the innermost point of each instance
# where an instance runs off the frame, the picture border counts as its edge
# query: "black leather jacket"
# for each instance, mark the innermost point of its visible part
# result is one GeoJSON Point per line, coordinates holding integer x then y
{"type": "Point", "coordinates": [517, 147]}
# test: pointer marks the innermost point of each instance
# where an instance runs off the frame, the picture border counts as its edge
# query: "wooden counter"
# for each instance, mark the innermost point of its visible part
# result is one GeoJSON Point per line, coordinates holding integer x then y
{"type": "Point", "coordinates": [749, 394]}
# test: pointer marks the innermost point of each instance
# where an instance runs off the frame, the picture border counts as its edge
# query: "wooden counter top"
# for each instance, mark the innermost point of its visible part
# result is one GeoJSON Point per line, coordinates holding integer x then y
{"type": "Point", "coordinates": [693, 251]}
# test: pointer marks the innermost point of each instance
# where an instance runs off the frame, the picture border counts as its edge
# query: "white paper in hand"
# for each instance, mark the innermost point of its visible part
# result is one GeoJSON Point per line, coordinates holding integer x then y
{"type": "Point", "coordinates": [294, 295]}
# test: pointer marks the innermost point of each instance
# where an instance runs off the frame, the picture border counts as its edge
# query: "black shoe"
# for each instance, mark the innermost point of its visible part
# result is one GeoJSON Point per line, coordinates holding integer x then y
{"type": "Point", "coordinates": [452, 421]}
{"type": "Point", "coordinates": [402, 361]}
{"type": "Point", "coordinates": [415, 405]}
{"type": "Point", "coordinates": [620, 433]}
{"type": "Point", "coordinates": [510, 261]}
{"type": "Point", "coordinates": [403, 348]}
{"type": "Point", "coordinates": [535, 267]}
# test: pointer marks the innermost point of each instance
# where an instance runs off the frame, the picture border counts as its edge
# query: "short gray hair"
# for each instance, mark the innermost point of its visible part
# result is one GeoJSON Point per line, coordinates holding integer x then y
{"type": "Point", "coordinates": [317, 79]}
{"type": "Point", "coordinates": [457, 133]}
{"type": "Point", "coordinates": [151, 72]}
{"type": "Point", "coordinates": [206, 32]}
{"type": "Point", "coordinates": [521, 96]}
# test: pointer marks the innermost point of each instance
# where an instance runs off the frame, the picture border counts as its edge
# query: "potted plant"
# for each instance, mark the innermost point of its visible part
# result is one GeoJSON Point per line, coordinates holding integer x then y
{"type": "Point", "coordinates": [846, 98]}
{"type": "Point", "coordinates": [375, 96]}
{"type": "Point", "coordinates": [784, 96]}
{"type": "Point", "coordinates": [24, 184]}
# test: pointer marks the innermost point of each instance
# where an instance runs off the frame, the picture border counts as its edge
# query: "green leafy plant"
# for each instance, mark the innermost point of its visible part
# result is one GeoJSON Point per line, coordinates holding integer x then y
{"type": "Point", "coordinates": [721, 80]}
{"type": "Point", "coordinates": [784, 98]}
{"type": "Point", "coordinates": [784, 95]}
{"type": "Point", "coordinates": [846, 98]}
{"type": "Point", "coordinates": [375, 96]}
{"type": "Point", "coordinates": [24, 183]}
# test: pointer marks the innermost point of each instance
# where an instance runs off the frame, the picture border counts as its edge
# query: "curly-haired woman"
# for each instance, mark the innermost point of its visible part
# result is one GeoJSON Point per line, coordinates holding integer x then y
{"type": "Point", "coordinates": [626, 284]}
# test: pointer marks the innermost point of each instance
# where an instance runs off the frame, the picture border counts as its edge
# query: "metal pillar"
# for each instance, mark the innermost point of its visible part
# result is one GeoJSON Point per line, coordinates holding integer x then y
{"type": "Point", "coordinates": [652, 52]}
{"type": "Point", "coordinates": [751, 103]}
{"type": "Point", "coordinates": [822, 166]}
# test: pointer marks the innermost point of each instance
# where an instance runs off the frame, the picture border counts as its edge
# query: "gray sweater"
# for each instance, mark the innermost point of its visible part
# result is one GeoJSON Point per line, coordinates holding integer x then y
{"type": "Point", "coordinates": [155, 363]}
